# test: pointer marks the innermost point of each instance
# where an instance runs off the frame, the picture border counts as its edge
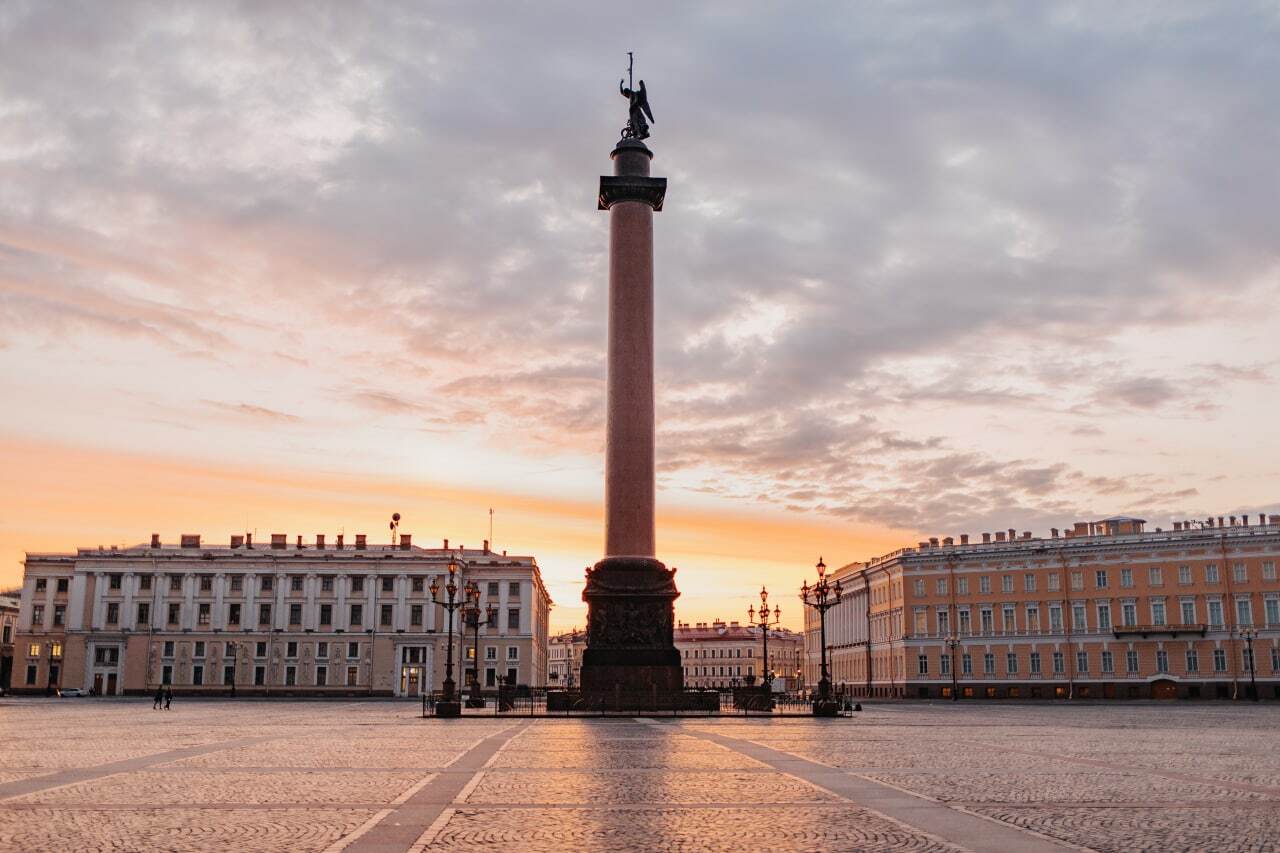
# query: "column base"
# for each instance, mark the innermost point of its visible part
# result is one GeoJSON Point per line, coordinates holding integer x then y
{"type": "Point", "coordinates": [631, 651]}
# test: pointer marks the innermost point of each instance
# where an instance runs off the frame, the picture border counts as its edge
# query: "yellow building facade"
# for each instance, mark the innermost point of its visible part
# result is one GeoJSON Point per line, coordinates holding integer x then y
{"type": "Point", "coordinates": [1103, 610]}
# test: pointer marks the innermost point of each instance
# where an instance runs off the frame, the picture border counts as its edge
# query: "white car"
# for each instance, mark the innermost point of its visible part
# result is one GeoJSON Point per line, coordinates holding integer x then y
{"type": "Point", "coordinates": [65, 692]}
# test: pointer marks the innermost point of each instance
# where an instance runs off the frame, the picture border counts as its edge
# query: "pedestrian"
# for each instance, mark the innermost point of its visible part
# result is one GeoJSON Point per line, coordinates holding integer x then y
{"type": "Point", "coordinates": [155, 706]}
{"type": "Point", "coordinates": [168, 698]}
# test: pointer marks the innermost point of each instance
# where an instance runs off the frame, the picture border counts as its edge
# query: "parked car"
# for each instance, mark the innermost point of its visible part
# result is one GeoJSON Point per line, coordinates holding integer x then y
{"type": "Point", "coordinates": [66, 692]}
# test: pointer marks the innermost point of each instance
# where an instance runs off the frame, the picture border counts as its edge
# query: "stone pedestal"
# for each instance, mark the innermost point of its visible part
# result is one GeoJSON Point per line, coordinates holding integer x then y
{"type": "Point", "coordinates": [631, 654]}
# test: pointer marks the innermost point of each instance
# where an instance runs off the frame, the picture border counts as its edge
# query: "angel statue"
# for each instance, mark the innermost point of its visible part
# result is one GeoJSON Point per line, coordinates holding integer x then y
{"type": "Point", "coordinates": [637, 127]}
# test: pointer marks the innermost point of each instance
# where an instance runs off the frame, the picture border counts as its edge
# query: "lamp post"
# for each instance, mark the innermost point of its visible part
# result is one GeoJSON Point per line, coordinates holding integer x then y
{"type": "Point", "coordinates": [764, 623]}
{"type": "Point", "coordinates": [953, 643]}
{"type": "Point", "coordinates": [1249, 635]}
{"type": "Point", "coordinates": [822, 596]}
{"type": "Point", "coordinates": [449, 705]}
{"type": "Point", "coordinates": [471, 617]}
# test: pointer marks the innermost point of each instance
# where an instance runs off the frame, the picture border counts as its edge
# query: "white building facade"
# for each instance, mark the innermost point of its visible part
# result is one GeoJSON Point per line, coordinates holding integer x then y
{"type": "Point", "coordinates": [315, 618]}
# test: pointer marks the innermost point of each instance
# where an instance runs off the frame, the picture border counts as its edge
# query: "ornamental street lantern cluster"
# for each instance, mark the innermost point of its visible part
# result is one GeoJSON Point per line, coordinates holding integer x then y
{"type": "Point", "coordinates": [471, 617]}
{"type": "Point", "coordinates": [764, 622]}
{"type": "Point", "coordinates": [449, 705]}
{"type": "Point", "coordinates": [822, 596]}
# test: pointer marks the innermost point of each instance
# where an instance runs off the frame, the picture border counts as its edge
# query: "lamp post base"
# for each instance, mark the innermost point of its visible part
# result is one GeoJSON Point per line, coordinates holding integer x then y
{"type": "Point", "coordinates": [826, 708]}
{"type": "Point", "coordinates": [448, 708]}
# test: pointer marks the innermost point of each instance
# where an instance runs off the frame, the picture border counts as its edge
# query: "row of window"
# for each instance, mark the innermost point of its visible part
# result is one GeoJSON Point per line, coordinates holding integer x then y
{"type": "Point", "coordinates": [1082, 660]}
{"type": "Point", "coordinates": [718, 653]}
{"type": "Point", "coordinates": [204, 614]}
{"type": "Point", "coordinates": [414, 654]}
{"type": "Point", "coordinates": [1158, 613]}
{"type": "Point", "coordinates": [724, 671]}
{"type": "Point", "coordinates": [266, 583]}
{"type": "Point", "coordinates": [1101, 579]}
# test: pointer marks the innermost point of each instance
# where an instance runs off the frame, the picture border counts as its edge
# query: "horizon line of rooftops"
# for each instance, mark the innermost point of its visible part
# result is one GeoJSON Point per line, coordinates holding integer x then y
{"type": "Point", "coordinates": [243, 543]}
{"type": "Point", "coordinates": [1118, 527]}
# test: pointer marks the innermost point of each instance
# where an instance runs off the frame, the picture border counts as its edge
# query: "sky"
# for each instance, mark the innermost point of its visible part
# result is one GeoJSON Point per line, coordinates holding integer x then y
{"type": "Point", "coordinates": [923, 269]}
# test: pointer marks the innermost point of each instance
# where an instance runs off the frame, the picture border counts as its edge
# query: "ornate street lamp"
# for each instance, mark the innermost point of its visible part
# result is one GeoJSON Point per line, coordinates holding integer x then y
{"type": "Point", "coordinates": [822, 596]}
{"type": "Point", "coordinates": [953, 643]}
{"type": "Point", "coordinates": [471, 618]}
{"type": "Point", "coordinates": [764, 624]}
{"type": "Point", "coordinates": [449, 705]}
{"type": "Point", "coordinates": [1249, 635]}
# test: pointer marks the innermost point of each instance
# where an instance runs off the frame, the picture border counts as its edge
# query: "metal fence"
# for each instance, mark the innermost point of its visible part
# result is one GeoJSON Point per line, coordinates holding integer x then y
{"type": "Point", "coordinates": [533, 703]}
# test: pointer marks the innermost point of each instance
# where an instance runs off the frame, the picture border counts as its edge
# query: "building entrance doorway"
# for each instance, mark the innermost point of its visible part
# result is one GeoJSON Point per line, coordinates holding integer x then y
{"type": "Point", "coordinates": [411, 681]}
{"type": "Point", "coordinates": [105, 683]}
{"type": "Point", "coordinates": [415, 669]}
{"type": "Point", "coordinates": [1164, 689]}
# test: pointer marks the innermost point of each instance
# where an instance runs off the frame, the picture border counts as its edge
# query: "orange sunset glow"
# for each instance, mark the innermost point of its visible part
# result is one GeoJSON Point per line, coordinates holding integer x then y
{"type": "Point", "coordinates": [256, 276]}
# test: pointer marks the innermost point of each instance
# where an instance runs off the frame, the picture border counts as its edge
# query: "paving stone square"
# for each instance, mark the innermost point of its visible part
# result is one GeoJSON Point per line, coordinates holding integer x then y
{"type": "Point", "coordinates": [99, 774]}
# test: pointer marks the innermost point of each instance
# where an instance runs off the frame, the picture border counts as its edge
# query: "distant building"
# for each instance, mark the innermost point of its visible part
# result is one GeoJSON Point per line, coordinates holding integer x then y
{"type": "Point", "coordinates": [1106, 609]}
{"type": "Point", "coordinates": [9, 604]}
{"type": "Point", "coordinates": [564, 659]}
{"type": "Point", "coordinates": [717, 655]}
{"type": "Point", "coordinates": [296, 618]}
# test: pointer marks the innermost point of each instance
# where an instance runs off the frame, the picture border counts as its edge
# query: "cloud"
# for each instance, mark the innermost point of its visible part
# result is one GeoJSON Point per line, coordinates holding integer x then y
{"type": "Point", "coordinates": [248, 410]}
{"type": "Point", "coordinates": [900, 246]}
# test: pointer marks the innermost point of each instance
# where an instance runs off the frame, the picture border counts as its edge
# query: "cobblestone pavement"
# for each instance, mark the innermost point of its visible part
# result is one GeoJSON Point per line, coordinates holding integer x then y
{"type": "Point", "coordinates": [112, 775]}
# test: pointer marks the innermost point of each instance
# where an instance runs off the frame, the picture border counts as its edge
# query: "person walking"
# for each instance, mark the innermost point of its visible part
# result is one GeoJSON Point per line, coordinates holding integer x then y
{"type": "Point", "coordinates": [155, 706]}
{"type": "Point", "coordinates": [168, 697]}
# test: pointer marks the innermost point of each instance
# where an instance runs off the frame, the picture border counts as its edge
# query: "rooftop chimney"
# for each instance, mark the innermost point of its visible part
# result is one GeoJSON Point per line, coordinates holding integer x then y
{"type": "Point", "coordinates": [948, 541]}
{"type": "Point", "coordinates": [299, 541]}
{"type": "Point", "coordinates": [237, 541]}
{"type": "Point", "coordinates": [1013, 534]}
{"type": "Point", "coordinates": [999, 535]}
{"type": "Point", "coordinates": [1233, 521]}
{"type": "Point", "coordinates": [248, 540]}
{"type": "Point", "coordinates": [1177, 525]}
{"type": "Point", "coordinates": [923, 544]}
{"type": "Point", "coordinates": [361, 541]}
{"type": "Point", "coordinates": [279, 540]}
{"type": "Point", "coordinates": [1220, 524]}
{"type": "Point", "coordinates": [986, 539]}
{"type": "Point", "coordinates": [339, 546]}
{"type": "Point", "coordinates": [964, 538]}
{"type": "Point", "coordinates": [486, 546]}
{"type": "Point", "coordinates": [1245, 519]}
{"type": "Point", "coordinates": [933, 541]}
{"type": "Point", "coordinates": [155, 540]}
{"type": "Point", "coordinates": [1273, 519]}
{"type": "Point", "coordinates": [446, 544]}
{"type": "Point", "coordinates": [319, 541]}
{"type": "Point", "coordinates": [406, 541]}
{"type": "Point", "coordinates": [190, 540]}
{"type": "Point", "coordinates": [1054, 532]}
{"type": "Point", "coordinates": [1026, 534]}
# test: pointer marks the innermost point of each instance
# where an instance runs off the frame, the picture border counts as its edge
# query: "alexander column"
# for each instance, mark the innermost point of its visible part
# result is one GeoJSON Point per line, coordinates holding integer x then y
{"type": "Point", "coordinates": [630, 595]}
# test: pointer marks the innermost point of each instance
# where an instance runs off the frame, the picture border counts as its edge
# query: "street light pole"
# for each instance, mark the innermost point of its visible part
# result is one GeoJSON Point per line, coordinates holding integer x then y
{"type": "Point", "coordinates": [953, 643]}
{"type": "Point", "coordinates": [764, 623]}
{"type": "Point", "coordinates": [1249, 635]}
{"type": "Point", "coordinates": [449, 705]}
{"type": "Point", "coordinates": [822, 596]}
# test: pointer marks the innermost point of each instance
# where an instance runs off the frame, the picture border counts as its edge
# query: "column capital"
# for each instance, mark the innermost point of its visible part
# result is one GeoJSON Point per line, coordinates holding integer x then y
{"type": "Point", "coordinates": [620, 188]}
